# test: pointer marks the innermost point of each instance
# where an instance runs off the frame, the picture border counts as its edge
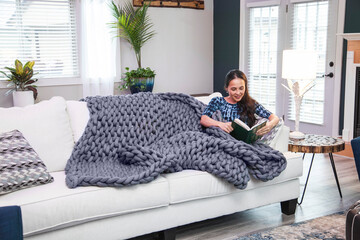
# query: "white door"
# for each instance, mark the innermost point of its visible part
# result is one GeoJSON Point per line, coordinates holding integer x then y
{"type": "Point", "coordinates": [298, 24]}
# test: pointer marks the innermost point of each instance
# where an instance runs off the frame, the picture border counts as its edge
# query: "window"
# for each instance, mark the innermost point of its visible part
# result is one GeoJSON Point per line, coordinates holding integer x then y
{"type": "Point", "coordinates": [40, 30]}
{"type": "Point", "coordinates": [262, 55]}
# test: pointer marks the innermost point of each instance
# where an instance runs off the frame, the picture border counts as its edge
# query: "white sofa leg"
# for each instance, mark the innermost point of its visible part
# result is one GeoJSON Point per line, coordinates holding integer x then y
{"type": "Point", "coordinates": [168, 234]}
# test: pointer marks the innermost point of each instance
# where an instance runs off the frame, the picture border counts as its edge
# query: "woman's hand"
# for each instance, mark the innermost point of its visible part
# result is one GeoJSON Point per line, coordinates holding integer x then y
{"type": "Point", "coordinates": [265, 129]}
{"type": "Point", "coordinates": [206, 121]}
{"type": "Point", "coordinates": [273, 121]}
{"type": "Point", "coordinates": [225, 126]}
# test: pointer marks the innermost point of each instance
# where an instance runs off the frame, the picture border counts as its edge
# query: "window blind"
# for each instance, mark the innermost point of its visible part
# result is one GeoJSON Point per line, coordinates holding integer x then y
{"type": "Point", "coordinates": [309, 31]}
{"type": "Point", "coordinates": [262, 54]}
{"type": "Point", "coordinates": [40, 30]}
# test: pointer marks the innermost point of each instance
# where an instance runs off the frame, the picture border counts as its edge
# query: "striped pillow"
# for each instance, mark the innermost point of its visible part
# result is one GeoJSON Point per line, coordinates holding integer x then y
{"type": "Point", "coordinates": [20, 166]}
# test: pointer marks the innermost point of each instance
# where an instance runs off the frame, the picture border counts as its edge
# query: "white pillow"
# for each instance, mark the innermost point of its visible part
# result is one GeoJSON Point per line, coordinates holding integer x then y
{"type": "Point", "coordinates": [207, 99]}
{"type": "Point", "coordinates": [79, 116]}
{"type": "Point", "coordinates": [46, 126]}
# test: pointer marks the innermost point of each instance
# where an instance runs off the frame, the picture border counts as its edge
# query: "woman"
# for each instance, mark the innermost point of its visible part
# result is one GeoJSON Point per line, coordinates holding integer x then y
{"type": "Point", "coordinates": [238, 104]}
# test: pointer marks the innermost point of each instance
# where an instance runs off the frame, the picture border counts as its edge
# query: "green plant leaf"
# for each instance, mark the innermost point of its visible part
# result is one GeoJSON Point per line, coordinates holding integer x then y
{"type": "Point", "coordinates": [9, 91]}
{"type": "Point", "coordinates": [11, 84]}
{"type": "Point", "coordinates": [114, 9]}
{"type": "Point", "coordinates": [12, 70]}
{"type": "Point", "coordinates": [6, 75]}
{"type": "Point", "coordinates": [133, 25]}
{"type": "Point", "coordinates": [18, 67]}
{"type": "Point", "coordinates": [29, 64]}
{"type": "Point", "coordinates": [31, 81]}
{"type": "Point", "coordinates": [33, 89]}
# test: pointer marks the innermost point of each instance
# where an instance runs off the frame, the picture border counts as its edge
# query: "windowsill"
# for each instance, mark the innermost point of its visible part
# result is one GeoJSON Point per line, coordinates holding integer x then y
{"type": "Point", "coordinates": [48, 82]}
{"type": "Point", "coordinates": [304, 122]}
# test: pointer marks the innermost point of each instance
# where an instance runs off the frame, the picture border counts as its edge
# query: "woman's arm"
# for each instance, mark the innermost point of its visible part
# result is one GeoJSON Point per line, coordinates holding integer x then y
{"type": "Point", "coordinates": [273, 121]}
{"type": "Point", "coordinates": [206, 121]}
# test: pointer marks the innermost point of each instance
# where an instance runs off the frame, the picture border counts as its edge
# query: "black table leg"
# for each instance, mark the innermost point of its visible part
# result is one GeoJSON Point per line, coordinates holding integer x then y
{"type": "Point", "coordinates": [335, 174]}
{"type": "Point", "coordinates": [307, 179]}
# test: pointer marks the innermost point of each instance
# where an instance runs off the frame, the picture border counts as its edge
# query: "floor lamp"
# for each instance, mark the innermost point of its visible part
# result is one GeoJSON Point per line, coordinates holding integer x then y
{"type": "Point", "coordinates": [299, 69]}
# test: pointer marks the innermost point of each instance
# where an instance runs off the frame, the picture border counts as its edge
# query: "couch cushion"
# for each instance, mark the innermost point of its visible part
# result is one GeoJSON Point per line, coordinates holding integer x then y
{"type": "Point", "coordinates": [46, 126]}
{"type": "Point", "coordinates": [79, 116]}
{"type": "Point", "coordinates": [20, 166]}
{"type": "Point", "coordinates": [206, 99]}
{"type": "Point", "coordinates": [189, 185]}
{"type": "Point", "coordinates": [53, 206]}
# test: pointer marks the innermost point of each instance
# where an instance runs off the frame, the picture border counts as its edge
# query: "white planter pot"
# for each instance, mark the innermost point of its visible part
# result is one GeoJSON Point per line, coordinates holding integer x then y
{"type": "Point", "coordinates": [23, 98]}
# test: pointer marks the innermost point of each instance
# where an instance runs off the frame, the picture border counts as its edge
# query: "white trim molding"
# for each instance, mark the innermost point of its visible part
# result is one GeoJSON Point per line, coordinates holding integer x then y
{"type": "Point", "coordinates": [47, 82]}
{"type": "Point", "coordinates": [301, 1]}
{"type": "Point", "coordinates": [338, 66]}
{"type": "Point", "coordinates": [349, 36]}
{"type": "Point", "coordinates": [263, 3]}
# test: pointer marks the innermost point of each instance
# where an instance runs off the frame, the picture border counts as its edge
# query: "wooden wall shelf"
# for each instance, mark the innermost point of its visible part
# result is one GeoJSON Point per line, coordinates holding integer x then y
{"type": "Point", "coordinates": [172, 3]}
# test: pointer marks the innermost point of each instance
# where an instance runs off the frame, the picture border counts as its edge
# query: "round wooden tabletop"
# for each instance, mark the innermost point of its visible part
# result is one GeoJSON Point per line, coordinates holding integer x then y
{"type": "Point", "coordinates": [316, 144]}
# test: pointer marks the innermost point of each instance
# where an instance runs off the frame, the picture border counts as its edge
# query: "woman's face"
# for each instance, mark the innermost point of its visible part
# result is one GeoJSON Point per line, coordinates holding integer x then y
{"type": "Point", "coordinates": [236, 89]}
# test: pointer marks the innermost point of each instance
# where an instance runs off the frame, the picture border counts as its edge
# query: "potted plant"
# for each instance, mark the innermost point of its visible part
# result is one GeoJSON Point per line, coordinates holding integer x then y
{"type": "Point", "coordinates": [21, 83]}
{"type": "Point", "coordinates": [133, 25]}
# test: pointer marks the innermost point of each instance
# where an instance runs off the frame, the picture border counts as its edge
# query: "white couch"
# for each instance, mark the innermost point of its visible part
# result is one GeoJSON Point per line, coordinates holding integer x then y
{"type": "Point", "coordinates": [53, 211]}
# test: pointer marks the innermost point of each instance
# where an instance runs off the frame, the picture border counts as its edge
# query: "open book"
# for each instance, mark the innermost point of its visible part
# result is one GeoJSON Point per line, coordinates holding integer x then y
{"type": "Point", "coordinates": [244, 133]}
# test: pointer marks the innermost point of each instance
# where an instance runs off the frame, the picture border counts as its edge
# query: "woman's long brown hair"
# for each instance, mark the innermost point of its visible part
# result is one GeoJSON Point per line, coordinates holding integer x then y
{"type": "Point", "coordinates": [247, 103]}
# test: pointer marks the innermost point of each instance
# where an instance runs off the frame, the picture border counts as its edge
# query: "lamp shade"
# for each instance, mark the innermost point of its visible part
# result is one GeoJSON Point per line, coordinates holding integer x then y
{"type": "Point", "coordinates": [299, 64]}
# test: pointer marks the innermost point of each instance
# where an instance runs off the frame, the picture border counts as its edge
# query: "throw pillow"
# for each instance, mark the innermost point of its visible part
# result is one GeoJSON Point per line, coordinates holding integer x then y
{"type": "Point", "coordinates": [270, 136]}
{"type": "Point", "coordinates": [20, 166]}
{"type": "Point", "coordinates": [46, 126]}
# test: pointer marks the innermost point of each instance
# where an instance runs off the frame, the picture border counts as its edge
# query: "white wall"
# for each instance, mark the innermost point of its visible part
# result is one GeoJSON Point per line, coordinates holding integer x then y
{"type": "Point", "coordinates": [181, 53]}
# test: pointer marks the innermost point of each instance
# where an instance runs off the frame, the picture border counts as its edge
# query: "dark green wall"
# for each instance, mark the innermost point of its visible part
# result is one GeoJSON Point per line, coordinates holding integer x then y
{"type": "Point", "coordinates": [226, 40]}
{"type": "Point", "coordinates": [351, 25]}
{"type": "Point", "coordinates": [352, 16]}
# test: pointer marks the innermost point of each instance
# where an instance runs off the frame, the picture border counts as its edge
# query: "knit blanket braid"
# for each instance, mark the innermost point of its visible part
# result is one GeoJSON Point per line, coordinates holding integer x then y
{"type": "Point", "coordinates": [132, 139]}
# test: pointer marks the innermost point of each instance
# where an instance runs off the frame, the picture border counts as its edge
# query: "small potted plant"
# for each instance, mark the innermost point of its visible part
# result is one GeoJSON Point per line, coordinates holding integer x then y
{"type": "Point", "coordinates": [21, 83]}
{"type": "Point", "coordinates": [139, 80]}
{"type": "Point", "coordinates": [133, 25]}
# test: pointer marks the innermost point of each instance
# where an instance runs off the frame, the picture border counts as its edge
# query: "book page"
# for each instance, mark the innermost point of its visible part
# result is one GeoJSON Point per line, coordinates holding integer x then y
{"type": "Point", "coordinates": [241, 123]}
{"type": "Point", "coordinates": [259, 123]}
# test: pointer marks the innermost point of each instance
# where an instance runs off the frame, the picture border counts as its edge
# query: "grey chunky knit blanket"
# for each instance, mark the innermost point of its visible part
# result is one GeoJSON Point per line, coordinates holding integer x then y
{"type": "Point", "coordinates": [132, 139]}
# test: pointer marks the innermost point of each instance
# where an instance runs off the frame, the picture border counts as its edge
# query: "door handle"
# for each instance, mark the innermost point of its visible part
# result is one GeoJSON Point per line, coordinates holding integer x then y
{"type": "Point", "coordinates": [330, 75]}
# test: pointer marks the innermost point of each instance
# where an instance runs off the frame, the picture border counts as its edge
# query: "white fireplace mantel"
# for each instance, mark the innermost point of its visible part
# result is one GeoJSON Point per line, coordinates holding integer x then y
{"type": "Point", "coordinates": [349, 36]}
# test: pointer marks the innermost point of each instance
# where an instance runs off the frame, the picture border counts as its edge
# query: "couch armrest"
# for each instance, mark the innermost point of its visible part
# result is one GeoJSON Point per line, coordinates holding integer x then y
{"type": "Point", "coordinates": [282, 141]}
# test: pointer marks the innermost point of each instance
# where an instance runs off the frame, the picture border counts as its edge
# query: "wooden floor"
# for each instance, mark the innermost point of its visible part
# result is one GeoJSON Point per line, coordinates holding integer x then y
{"type": "Point", "coordinates": [321, 198]}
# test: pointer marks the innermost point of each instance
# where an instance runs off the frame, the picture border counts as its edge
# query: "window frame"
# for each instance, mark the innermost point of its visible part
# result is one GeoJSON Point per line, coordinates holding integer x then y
{"type": "Point", "coordinates": [283, 95]}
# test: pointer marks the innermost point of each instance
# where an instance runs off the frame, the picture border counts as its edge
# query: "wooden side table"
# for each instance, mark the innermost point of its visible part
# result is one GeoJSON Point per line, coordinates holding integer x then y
{"type": "Point", "coordinates": [317, 144]}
